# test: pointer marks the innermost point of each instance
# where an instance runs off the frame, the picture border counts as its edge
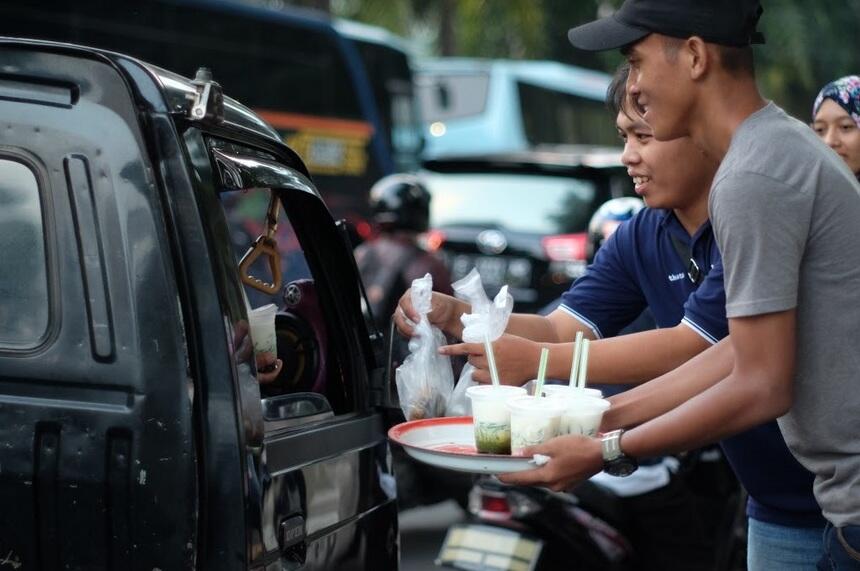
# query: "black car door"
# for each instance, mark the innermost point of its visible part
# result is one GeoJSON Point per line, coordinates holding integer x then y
{"type": "Point", "coordinates": [97, 455]}
{"type": "Point", "coordinates": [319, 485]}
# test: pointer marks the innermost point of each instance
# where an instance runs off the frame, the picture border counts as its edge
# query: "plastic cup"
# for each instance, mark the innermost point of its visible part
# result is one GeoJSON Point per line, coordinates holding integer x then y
{"type": "Point", "coordinates": [534, 420]}
{"type": "Point", "coordinates": [262, 322]}
{"type": "Point", "coordinates": [566, 391]}
{"type": "Point", "coordinates": [582, 415]}
{"type": "Point", "coordinates": [491, 417]}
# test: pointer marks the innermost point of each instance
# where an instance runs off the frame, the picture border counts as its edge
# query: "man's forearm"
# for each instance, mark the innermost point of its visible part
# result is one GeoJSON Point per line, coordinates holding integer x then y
{"type": "Point", "coordinates": [640, 357]}
{"type": "Point", "coordinates": [672, 389]}
{"type": "Point", "coordinates": [758, 389]}
{"type": "Point", "coordinates": [730, 406]}
{"type": "Point", "coordinates": [535, 327]}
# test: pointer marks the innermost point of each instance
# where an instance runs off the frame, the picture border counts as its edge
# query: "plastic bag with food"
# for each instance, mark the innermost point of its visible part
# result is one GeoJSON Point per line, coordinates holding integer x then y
{"type": "Point", "coordinates": [488, 319]}
{"type": "Point", "coordinates": [425, 379]}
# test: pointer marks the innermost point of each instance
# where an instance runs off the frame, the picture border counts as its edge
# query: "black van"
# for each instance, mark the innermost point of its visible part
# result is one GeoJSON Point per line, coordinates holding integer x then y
{"type": "Point", "coordinates": [133, 434]}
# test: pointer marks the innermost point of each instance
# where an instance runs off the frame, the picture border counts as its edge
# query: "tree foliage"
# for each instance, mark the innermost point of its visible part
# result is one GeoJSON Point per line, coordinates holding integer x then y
{"type": "Point", "coordinates": [808, 42]}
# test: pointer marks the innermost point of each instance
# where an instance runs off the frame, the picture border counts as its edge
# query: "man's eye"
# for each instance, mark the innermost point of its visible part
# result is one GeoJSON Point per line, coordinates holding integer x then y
{"type": "Point", "coordinates": [642, 137]}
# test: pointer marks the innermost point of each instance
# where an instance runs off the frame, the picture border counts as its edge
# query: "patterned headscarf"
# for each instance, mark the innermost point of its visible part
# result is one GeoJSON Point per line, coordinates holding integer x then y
{"type": "Point", "coordinates": [845, 92]}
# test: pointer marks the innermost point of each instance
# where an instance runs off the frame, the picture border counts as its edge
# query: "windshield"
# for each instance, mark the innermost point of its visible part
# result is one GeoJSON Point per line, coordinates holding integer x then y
{"type": "Point", "coordinates": [521, 203]}
{"type": "Point", "coordinates": [444, 97]}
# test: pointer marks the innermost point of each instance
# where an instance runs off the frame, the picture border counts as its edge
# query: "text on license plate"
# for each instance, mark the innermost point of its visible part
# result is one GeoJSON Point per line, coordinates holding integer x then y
{"type": "Point", "coordinates": [484, 548]}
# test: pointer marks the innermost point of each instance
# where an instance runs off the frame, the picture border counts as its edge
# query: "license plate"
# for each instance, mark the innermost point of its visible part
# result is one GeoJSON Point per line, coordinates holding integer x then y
{"type": "Point", "coordinates": [473, 547]}
{"type": "Point", "coordinates": [495, 271]}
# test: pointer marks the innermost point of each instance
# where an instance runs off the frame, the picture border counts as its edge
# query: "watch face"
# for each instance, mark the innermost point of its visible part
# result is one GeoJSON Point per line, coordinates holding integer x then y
{"type": "Point", "coordinates": [623, 466]}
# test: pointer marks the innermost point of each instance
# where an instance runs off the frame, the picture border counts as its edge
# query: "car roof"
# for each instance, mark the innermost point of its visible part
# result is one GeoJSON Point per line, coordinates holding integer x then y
{"type": "Point", "coordinates": [175, 88]}
{"type": "Point", "coordinates": [542, 160]}
{"type": "Point", "coordinates": [551, 74]}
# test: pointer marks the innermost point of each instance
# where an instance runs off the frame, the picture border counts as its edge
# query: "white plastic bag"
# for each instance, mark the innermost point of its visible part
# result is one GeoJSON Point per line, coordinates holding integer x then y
{"type": "Point", "coordinates": [486, 320]}
{"type": "Point", "coordinates": [425, 379]}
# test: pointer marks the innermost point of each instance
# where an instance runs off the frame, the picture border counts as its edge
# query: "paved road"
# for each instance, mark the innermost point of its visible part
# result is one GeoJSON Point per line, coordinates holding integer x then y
{"type": "Point", "coordinates": [421, 533]}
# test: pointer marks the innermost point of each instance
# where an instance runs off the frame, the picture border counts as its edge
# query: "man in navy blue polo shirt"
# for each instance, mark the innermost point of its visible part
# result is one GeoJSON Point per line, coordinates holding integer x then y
{"type": "Point", "coordinates": [640, 266]}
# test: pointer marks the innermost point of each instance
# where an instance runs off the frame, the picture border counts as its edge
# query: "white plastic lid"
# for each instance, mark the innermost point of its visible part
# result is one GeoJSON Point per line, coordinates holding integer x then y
{"type": "Point", "coordinates": [492, 392]}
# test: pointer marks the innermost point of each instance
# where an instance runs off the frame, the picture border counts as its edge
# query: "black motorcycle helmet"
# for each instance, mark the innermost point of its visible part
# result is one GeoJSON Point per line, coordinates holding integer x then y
{"type": "Point", "coordinates": [400, 202]}
{"type": "Point", "coordinates": [607, 218]}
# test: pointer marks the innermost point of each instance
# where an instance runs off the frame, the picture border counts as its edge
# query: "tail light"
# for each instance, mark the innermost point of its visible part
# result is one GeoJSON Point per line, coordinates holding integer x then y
{"type": "Point", "coordinates": [565, 247]}
{"type": "Point", "coordinates": [432, 240]}
{"type": "Point", "coordinates": [500, 504]}
{"type": "Point", "coordinates": [364, 229]}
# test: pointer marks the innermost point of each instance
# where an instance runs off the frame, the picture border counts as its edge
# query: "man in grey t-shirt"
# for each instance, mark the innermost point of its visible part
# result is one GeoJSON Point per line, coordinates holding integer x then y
{"type": "Point", "coordinates": [786, 212]}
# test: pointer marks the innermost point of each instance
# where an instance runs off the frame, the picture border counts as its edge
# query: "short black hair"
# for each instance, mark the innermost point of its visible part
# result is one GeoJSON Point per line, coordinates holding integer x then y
{"type": "Point", "coordinates": [616, 93]}
{"type": "Point", "coordinates": [737, 59]}
{"type": "Point", "coordinates": [733, 59]}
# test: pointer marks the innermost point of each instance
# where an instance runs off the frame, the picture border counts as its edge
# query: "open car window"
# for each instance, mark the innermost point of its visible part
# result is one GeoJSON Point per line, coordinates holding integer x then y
{"type": "Point", "coordinates": [302, 333]}
{"type": "Point", "coordinates": [323, 374]}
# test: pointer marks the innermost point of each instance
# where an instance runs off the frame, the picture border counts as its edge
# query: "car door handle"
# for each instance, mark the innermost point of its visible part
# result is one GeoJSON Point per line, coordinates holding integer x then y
{"type": "Point", "coordinates": [291, 536]}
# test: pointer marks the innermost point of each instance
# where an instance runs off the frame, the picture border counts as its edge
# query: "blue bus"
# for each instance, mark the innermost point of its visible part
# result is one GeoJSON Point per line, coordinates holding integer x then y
{"type": "Point", "coordinates": [482, 106]}
{"type": "Point", "coordinates": [339, 94]}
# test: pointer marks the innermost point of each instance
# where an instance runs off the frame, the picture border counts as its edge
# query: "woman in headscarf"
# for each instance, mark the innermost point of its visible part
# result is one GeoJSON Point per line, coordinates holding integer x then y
{"type": "Point", "coordinates": [836, 119]}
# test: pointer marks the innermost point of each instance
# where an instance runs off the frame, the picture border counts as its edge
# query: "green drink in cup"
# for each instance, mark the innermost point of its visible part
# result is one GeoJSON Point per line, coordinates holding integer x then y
{"type": "Point", "coordinates": [491, 417]}
{"type": "Point", "coordinates": [534, 420]}
{"type": "Point", "coordinates": [262, 323]}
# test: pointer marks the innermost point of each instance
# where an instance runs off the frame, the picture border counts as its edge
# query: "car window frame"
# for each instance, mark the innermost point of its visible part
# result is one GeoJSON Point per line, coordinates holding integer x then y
{"type": "Point", "coordinates": [46, 204]}
{"type": "Point", "coordinates": [296, 185]}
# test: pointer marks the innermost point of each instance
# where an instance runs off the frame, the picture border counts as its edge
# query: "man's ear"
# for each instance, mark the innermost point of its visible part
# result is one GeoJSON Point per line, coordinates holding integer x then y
{"type": "Point", "coordinates": [698, 57]}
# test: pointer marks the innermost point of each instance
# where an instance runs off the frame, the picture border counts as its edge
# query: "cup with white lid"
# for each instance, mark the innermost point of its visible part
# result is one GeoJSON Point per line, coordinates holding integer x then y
{"type": "Point", "coordinates": [568, 391]}
{"type": "Point", "coordinates": [491, 417]}
{"type": "Point", "coordinates": [262, 323]}
{"type": "Point", "coordinates": [582, 414]}
{"type": "Point", "coordinates": [534, 420]}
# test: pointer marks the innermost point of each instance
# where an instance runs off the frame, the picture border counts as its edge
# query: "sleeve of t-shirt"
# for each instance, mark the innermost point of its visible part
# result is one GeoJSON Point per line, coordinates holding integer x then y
{"type": "Point", "coordinates": [761, 226]}
{"type": "Point", "coordinates": [607, 298]}
{"type": "Point", "coordinates": [705, 309]}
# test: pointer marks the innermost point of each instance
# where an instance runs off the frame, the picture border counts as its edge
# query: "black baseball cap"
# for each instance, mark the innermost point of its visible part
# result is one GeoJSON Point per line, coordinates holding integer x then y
{"type": "Point", "coordinates": [724, 22]}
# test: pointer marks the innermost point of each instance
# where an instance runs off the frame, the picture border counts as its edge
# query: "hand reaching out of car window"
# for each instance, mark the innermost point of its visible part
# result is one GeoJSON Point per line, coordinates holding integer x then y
{"type": "Point", "coordinates": [268, 364]}
{"type": "Point", "coordinates": [268, 367]}
{"type": "Point", "coordinates": [445, 314]}
{"type": "Point", "coordinates": [517, 359]}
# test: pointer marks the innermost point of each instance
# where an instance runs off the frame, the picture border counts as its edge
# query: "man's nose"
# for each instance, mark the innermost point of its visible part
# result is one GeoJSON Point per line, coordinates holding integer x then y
{"type": "Point", "coordinates": [632, 85]}
{"type": "Point", "coordinates": [629, 156]}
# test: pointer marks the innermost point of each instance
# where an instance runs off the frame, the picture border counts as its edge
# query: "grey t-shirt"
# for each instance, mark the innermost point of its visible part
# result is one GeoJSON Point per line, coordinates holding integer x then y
{"type": "Point", "coordinates": [786, 213]}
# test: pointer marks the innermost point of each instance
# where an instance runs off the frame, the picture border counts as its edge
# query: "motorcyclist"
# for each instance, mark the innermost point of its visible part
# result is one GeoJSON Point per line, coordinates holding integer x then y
{"type": "Point", "coordinates": [401, 211]}
{"type": "Point", "coordinates": [607, 218]}
{"type": "Point", "coordinates": [388, 263]}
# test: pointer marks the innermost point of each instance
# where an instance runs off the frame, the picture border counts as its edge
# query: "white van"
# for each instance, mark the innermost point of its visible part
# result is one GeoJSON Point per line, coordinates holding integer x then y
{"type": "Point", "coordinates": [478, 106]}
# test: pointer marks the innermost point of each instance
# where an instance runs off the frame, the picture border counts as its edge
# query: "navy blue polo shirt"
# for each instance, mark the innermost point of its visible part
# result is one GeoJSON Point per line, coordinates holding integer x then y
{"type": "Point", "coordinates": [639, 267]}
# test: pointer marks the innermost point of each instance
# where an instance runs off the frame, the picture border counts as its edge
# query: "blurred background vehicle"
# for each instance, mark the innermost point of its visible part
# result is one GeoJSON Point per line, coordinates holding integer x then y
{"type": "Point", "coordinates": [338, 93]}
{"type": "Point", "coordinates": [521, 218]}
{"type": "Point", "coordinates": [483, 106]}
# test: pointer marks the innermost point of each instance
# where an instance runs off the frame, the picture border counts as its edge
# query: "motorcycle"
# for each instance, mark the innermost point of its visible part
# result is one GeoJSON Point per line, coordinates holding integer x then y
{"type": "Point", "coordinates": [520, 528]}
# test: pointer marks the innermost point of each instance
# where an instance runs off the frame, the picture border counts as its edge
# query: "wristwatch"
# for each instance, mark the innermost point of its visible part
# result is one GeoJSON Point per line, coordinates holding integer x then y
{"type": "Point", "coordinates": [616, 462]}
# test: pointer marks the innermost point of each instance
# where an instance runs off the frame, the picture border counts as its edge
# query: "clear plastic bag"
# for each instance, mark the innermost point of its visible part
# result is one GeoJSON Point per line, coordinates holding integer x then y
{"type": "Point", "coordinates": [488, 319]}
{"type": "Point", "coordinates": [425, 379]}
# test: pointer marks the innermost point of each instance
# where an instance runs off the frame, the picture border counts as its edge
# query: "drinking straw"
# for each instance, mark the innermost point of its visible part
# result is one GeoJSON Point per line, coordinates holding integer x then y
{"type": "Point", "coordinates": [574, 364]}
{"type": "Point", "coordinates": [583, 365]}
{"type": "Point", "coordinates": [544, 356]}
{"type": "Point", "coordinates": [491, 360]}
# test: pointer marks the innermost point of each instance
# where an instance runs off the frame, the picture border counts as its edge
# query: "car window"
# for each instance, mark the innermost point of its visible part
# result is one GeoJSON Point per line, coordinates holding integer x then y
{"type": "Point", "coordinates": [23, 279]}
{"type": "Point", "coordinates": [554, 117]}
{"type": "Point", "coordinates": [521, 203]}
{"type": "Point", "coordinates": [309, 363]}
{"type": "Point", "coordinates": [454, 96]}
